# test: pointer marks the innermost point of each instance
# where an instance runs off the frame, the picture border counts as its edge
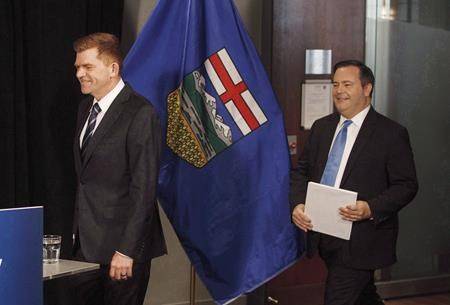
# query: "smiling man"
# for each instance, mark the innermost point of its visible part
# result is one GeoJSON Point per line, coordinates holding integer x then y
{"type": "Point", "coordinates": [360, 150]}
{"type": "Point", "coordinates": [116, 150]}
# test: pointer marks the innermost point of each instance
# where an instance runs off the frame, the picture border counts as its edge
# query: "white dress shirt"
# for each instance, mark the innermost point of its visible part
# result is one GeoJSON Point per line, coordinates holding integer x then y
{"type": "Point", "coordinates": [352, 133]}
{"type": "Point", "coordinates": [104, 104]}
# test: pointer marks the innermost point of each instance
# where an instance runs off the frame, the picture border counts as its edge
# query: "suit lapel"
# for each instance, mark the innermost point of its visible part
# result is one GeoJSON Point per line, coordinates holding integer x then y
{"type": "Point", "coordinates": [325, 143]}
{"type": "Point", "coordinates": [108, 120]}
{"type": "Point", "coordinates": [364, 135]}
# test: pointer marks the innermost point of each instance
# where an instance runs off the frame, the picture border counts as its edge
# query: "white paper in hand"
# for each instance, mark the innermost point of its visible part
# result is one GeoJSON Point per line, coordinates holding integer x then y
{"type": "Point", "coordinates": [322, 207]}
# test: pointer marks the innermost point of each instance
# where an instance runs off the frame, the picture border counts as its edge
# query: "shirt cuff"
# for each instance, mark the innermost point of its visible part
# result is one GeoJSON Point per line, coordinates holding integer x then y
{"type": "Point", "coordinates": [123, 255]}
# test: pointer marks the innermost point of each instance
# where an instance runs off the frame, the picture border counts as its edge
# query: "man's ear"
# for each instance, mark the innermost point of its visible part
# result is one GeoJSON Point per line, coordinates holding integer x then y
{"type": "Point", "coordinates": [115, 69]}
{"type": "Point", "coordinates": [367, 89]}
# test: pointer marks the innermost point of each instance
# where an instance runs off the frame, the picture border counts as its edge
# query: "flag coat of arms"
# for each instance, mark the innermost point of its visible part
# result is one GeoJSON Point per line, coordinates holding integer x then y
{"type": "Point", "coordinates": [224, 174]}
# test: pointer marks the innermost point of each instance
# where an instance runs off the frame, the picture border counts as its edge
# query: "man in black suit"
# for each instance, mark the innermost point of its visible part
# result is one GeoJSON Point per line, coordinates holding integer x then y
{"type": "Point", "coordinates": [117, 151]}
{"type": "Point", "coordinates": [360, 150]}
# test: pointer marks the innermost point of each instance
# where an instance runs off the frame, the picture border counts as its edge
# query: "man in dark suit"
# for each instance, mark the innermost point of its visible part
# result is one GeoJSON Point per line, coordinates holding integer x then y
{"type": "Point", "coordinates": [117, 150]}
{"type": "Point", "coordinates": [360, 150]}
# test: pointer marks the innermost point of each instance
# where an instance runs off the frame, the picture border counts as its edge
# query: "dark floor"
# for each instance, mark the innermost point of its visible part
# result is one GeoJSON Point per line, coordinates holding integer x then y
{"type": "Point", "coordinates": [437, 299]}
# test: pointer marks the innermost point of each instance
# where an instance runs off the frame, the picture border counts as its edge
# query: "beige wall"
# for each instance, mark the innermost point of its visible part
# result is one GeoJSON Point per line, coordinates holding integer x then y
{"type": "Point", "coordinates": [169, 281]}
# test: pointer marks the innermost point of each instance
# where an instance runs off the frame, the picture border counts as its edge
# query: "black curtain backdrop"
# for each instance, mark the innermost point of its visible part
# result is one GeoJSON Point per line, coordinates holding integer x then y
{"type": "Point", "coordinates": [39, 96]}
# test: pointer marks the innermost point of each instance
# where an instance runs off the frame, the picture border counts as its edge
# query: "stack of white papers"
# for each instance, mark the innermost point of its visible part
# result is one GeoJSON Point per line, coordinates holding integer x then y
{"type": "Point", "coordinates": [322, 207]}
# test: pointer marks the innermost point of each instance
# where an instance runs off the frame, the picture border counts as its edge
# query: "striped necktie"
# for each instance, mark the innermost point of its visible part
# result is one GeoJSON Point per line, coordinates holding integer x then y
{"type": "Point", "coordinates": [95, 110]}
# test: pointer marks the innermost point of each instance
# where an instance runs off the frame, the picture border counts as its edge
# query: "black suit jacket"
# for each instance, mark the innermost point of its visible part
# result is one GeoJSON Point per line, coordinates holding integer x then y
{"type": "Point", "coordinates": [116, 208]}
{"type": "Point", "coordinates": [380, 169]}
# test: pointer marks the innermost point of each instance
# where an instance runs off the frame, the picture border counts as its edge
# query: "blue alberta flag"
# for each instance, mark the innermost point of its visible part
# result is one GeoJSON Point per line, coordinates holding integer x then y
{"type": "Point", "coordinates": [224, 175]}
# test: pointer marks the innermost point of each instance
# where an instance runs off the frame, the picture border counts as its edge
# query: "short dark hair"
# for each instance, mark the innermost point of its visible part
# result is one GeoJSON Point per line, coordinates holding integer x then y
{"type": "Point", "coordinates": [107, 45]}
{"type": "Point", "coordinates": [365, 73]}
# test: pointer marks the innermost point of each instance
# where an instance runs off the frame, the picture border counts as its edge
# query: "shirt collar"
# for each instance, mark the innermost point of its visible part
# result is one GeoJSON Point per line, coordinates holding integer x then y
{"type": "Point", "coordinates": [107, 100]}
{"type": "Point", "coordinates": [357, 119]}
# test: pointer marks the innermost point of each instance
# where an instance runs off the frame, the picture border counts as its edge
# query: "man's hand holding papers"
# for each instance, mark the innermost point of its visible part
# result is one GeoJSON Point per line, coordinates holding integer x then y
{"type": "Point", "coordinates": [356, 212]}
{"type": "Point", "coordinates": [300, 219]}
{"type": "Point", "coordinates": [331, 210]}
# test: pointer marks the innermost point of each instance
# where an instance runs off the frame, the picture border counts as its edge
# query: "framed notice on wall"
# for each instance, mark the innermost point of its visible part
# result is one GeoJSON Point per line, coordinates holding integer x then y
{"type": "Point", "coordinates": [316, 101]}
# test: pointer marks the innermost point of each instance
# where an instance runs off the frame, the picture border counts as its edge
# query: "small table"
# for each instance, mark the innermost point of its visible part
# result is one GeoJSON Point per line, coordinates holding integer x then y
{"type": "Point", "coordinates": [66, 267]}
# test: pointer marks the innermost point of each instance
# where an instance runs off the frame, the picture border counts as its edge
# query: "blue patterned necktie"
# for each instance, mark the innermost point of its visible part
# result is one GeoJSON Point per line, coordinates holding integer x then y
{"type": "Point", "coordinates": [90, 127]}
{"type": "Point", "coordinates": [335, 156]}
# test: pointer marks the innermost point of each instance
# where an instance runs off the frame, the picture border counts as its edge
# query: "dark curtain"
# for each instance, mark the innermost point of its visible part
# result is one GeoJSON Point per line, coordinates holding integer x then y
{"type": "Point", "coordinates": [39, 96]}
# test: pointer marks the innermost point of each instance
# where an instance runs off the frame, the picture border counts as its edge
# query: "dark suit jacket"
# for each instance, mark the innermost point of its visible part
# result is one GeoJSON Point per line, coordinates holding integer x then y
{"type": "Point", "coordinates": [116, 208]}
{"type": "Point", "coordinates": [380, 168]}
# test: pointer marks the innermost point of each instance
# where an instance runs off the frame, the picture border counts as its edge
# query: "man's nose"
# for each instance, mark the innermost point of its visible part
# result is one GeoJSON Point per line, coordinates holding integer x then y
{"type": "Point", "coordinates": [79, 73]}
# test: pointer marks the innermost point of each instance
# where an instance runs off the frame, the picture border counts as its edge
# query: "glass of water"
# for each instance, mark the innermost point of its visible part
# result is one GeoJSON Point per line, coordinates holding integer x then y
{"type": "Point", "coordinates": [51, 248]}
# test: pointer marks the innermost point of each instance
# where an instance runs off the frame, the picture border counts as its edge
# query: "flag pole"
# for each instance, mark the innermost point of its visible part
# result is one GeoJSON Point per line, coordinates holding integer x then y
{"type": "Point", "coordinates": [192, 286]}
